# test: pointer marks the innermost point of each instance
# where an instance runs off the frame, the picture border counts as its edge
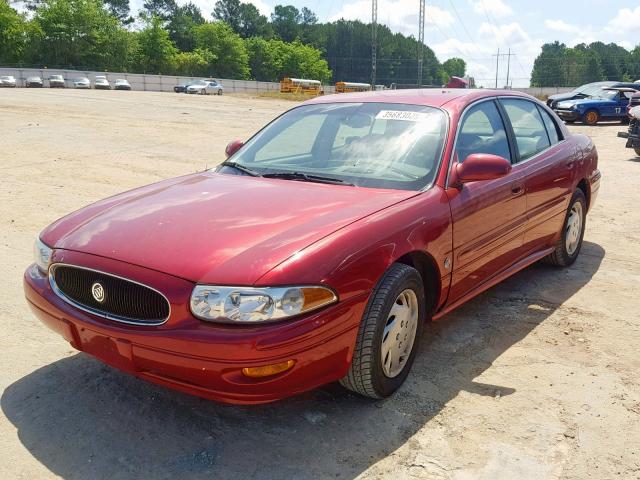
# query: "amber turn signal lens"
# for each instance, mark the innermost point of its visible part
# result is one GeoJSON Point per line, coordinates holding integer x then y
{"type": "Point", "coordinates": [267, 370]}
{"type": "Point", "coordinates": [316, 298]}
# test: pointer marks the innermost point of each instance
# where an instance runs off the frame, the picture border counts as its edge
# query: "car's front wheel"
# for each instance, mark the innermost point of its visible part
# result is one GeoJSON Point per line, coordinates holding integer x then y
{"type": "Point", "coordinates": [570, 242]}
{"type": "Point", "coordinates": [637, 150]}
{"type": "Point", "coordinates": [591, 117]}
{"type": "Point", "coordinates": [220, 92]}
{"type": "Point", "coordinates": [389, 334]}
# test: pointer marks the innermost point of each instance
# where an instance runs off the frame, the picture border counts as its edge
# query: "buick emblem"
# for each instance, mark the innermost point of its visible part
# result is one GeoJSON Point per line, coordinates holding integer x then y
{"type": "Point", "coordinates": [97, 290]}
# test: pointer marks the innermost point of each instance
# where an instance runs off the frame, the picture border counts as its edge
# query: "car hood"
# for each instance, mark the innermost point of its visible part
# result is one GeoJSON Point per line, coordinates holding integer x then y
{"type": "Point", "coordinates": [196, 87]}
{"type": "Point", "coordinates": [586, 102]}
{"type": "Point", "coordinates": [558, 97]}
{"type": "Point", "coordinates": [216, 228]}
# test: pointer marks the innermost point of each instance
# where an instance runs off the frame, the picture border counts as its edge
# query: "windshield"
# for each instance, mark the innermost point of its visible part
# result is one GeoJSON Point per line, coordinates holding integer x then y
{"type": "Point", "coordinates": [56, 77]}
{"type": "Point", "coordinates": [379, 145]}
{"type": "Point", "coordinates": [198, 83]}
{"type": "Point", "coordinates": [592, 89]}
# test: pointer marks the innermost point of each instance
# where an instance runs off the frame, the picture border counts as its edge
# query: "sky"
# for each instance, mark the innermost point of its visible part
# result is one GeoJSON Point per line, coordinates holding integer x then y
{"type": "Point", "coordinates": [474, 30]}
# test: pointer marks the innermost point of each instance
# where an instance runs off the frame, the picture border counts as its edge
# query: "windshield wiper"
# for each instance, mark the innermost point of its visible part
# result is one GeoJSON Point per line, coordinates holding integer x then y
{"type": "Point", "coordinates": [307, 178]}
{"type": "Point", "coordinates": [242, 168]}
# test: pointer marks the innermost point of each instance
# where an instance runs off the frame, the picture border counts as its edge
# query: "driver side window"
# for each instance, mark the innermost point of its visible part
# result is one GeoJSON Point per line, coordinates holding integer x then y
{"type": "Point", "coordinates": [482, 131]}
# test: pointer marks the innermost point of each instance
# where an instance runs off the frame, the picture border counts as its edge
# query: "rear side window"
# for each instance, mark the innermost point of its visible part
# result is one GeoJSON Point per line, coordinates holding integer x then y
{"type": "Point", "coordinates": [482, 131]}
{"type": "Point", "coordinates": [552, 127]}
{"type": "Point", "coordinates": [528, 127]}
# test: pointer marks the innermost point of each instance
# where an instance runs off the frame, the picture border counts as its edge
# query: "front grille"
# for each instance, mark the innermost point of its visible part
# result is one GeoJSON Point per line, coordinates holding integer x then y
{"type": "Point", "coordinates": [122, 300]}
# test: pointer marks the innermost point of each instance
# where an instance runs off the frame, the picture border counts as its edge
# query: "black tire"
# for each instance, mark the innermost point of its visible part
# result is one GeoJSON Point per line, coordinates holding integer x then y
{"type": "Point", "coordinates": [366, 375]}
{"type": "Point", "coordinates": [219, 91]}
{"type": "Point", "coordinates": [560, 257]}
{"type": "Point", "coordinates": [591, 117]}
{"type": "Point", "coordinates": [637, 150]}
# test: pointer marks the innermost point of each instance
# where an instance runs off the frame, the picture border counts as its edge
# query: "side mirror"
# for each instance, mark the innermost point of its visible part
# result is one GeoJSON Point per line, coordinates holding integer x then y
{"type": "Point", "coordinates": [481, 166]}
{"type": "Point", "coordinates": [233, 147]}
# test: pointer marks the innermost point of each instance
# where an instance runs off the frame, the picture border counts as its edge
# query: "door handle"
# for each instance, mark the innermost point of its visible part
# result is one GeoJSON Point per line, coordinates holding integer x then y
{"type": "Point", "coordinates": [517, 189]}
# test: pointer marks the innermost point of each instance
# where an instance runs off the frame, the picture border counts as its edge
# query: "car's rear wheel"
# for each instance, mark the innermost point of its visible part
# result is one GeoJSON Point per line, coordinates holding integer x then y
{"type": "Point", "coordinates": [389, 334]}
{"type": "Point", "coordinates": [637, 150]}
{"type": "Point", "coordinates": [568, 246]}
{"type": "Point", "coordinates": [220, 92]}
{"type": "Point", "coordinates": [591, 117]}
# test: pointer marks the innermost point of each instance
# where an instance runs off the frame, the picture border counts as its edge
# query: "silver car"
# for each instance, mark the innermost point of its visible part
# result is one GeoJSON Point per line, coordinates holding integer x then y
{"type": "Point", "coordinates": [33, 82]}
{"type": "Point", "coordinates": [206, 87]}
{"type": "Point", "coordinates": [101, 83]}
{"type": "Point", "coordinates": [8, 81]}
{"type": "Point", "coordinates": [122, 84]}
{"type": "Point", "coordinates": [81, 82]}
{"type": "Point", "coordinates": [56, 81]}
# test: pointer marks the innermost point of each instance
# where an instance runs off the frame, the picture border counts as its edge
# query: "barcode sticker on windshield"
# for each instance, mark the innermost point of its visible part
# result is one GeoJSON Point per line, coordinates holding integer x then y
{"type": "Point", "coordinates": [405, 115]}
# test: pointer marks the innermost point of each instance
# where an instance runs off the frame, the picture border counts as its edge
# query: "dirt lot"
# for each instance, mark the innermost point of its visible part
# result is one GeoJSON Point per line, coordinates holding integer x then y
{"type": "Point", "coordinates": [535, 379]}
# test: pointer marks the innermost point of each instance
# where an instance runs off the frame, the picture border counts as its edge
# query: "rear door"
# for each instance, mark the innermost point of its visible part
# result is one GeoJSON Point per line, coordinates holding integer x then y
{"type": "Point", "coordinates": [547, 164]}
{"type": "Point", "coordinates": [489, 217]}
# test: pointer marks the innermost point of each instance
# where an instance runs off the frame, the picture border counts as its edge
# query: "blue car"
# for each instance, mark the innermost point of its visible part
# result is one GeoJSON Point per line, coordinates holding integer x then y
{"type": "Point", "coordinates": [608, 104]}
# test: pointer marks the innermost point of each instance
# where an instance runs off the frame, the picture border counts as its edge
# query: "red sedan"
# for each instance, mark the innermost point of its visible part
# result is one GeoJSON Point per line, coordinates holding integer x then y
{"type": "Point", "coordinates": [322, 245]}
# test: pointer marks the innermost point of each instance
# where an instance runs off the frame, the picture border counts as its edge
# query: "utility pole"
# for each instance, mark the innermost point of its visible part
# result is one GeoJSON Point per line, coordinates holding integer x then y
{"type": "Point", "coordinates": [497, 63]}
{"type": "Point", "coordinates": [508, 64]}
{"type": "Point", "coordinates": [374, 41]}
{"type": "Point", "coordinates": [420, 41]}
{"type": "Point", "coordinates": [508, 55]}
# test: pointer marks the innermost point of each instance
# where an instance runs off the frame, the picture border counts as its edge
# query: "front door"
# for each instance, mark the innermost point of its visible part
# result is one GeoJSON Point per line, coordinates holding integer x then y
{"type": "Point", "coordinates": [489, 217]}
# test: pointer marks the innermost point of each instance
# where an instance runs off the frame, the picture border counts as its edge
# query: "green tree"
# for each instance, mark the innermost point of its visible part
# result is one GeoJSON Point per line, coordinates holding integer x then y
{"type": "Point", "coordinates": [195, 63]}
{"type": "Point", "coordinates": [162, 9]}
{"type": "Point", "coordinates": [252, 23]}
{"type": "Point", "coordinates": [156, 51]}
{"type": "Point", "coordinates": [455, 67]}
{"type": "Point", "coordinates": [228, 11]}
{"type": "Point", "coordinates": [231, 58]}
{"type": "Point", "coordinates": [119, 9]}
{"type": "Point", "coordinates": [271, 60]}
{"type": "Point", "coordinates": [13, 34]}
{"type": "Point", "coordinates": [79, 33]}
{"type": "Point", "coordinates": [307, 17]}
{"type": "Point", "coordinates": [285, 20]}
{"type": "Point", "coordinates": [181, 23]}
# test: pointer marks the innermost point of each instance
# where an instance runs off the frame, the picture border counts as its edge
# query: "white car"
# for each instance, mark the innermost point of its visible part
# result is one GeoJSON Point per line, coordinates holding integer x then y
{"type": "Point", "coordinates": [206, 87]}
{"type": "Point", "coordinates": [122, 84]}
{"type": "Point", "coordinates": [56, 81]}
{"type": "Point", "coordinates": [7, 81]}
{"type": "Point", "coordinates": [81, 82]}
{"type": "Point", "coordinates": [101, 83]}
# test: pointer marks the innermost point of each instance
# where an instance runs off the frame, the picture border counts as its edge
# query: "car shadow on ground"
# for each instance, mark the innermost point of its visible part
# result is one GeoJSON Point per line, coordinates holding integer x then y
{"type": "Point", "coordinates": [84, 420]}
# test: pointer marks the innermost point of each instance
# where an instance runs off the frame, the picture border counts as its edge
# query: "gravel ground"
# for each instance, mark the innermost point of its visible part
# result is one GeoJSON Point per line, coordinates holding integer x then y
{"type": "Point", "coordinates": [535, 379]}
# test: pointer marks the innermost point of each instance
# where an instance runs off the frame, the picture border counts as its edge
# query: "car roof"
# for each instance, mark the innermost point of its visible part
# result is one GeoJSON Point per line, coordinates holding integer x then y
{"type": "Point", "coordinates": [432, 97]}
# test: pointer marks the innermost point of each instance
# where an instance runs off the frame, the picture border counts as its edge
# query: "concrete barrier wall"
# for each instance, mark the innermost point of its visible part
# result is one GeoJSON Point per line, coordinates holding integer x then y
{"type": "Point", "coordinates": [139, 81]}
{"type": "Point", "coordinates": [165, 83]}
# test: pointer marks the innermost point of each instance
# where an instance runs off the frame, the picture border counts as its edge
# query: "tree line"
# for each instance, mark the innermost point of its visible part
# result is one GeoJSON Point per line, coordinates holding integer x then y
{"type": "Point", "coordinates": [237, 42]}
{"type": "Point", "coordinates": [560, 66]}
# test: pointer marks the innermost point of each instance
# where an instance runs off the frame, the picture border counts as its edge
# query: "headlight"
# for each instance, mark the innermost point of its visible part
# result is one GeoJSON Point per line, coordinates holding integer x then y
{"type": "Point", "coordinates": [42, 255]}
{"type": "Point", "coordinates": [249, 305]}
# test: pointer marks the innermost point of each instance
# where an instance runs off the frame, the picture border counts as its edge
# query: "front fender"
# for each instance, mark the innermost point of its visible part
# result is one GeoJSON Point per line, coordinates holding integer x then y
{"type": "Point", "coordinates": [353, 259]}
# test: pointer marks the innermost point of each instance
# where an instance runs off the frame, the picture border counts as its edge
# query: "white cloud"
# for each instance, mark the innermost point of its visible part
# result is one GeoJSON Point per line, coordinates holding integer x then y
{"type": "Point", "coordinates": [511, 34]}
{"type": "Point", "coordinates": [625, 21]}
{"type": "Point", "coordinates": [496, 8]}
{"type": "Point", "coordinates": [562, 26]}
{"type": "Point", "coordinates": [398, 15]}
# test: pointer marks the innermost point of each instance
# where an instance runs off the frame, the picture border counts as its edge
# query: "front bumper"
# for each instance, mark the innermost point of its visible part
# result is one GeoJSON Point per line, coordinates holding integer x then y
{"type": "Point", "coordinates": [571, 115]}
{"type": "Point", "coordinates": [197, 357]}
